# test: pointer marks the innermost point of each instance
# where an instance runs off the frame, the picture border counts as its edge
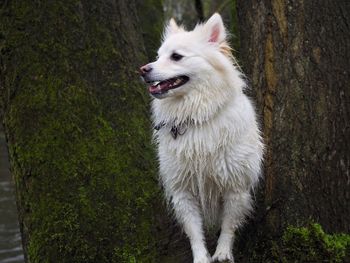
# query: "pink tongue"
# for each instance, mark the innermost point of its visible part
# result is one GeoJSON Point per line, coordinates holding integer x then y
{"type": "Point", "coordinates": [160, 87]}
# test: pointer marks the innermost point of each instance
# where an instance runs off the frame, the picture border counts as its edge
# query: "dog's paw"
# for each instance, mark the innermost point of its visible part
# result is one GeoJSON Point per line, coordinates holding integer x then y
{"type": "Point", "coordinates": [203, 258]}
{"type": "Point", "coordinates": [225, 261]}
{"type": "Point", "coordinates": [222, 257]}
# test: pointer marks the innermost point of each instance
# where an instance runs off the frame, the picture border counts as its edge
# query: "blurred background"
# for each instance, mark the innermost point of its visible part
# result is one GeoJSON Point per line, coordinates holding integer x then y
{"type": "Point", "coordinates": [10, 237]}
{"type": "Point", "coordinates": [75, 127]}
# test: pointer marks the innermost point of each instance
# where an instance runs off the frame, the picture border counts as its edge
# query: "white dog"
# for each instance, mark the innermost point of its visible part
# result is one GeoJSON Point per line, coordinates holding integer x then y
{"type": "Point", "coordinates": [209, 145]}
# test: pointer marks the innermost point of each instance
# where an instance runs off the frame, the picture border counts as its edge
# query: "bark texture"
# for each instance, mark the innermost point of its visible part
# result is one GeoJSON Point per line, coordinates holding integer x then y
{"type": "Point", "coordinates": [296, 56]}
{"type": "Point", "coordinates": [76, 119]}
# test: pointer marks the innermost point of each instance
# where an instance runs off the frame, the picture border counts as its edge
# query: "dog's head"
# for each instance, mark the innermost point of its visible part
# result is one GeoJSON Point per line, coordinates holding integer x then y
{"type": "Point", "coordinates": [187, 59]}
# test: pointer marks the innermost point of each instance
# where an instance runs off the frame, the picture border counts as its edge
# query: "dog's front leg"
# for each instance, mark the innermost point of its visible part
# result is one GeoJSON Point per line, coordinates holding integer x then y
{"type": "Point", "coordinates": [236, 207]}
{"type": "Point", "coordinates": [188, 214]}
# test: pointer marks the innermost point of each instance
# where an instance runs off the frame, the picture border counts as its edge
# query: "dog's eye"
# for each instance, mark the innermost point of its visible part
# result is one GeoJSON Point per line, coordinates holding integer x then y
{"type": "Point", "coordinates": [176, 57]}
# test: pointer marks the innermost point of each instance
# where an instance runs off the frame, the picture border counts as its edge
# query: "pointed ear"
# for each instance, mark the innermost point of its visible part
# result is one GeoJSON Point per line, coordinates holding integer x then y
{"type": "Point", "coordinates": [215, 29]}
{"type": "Point", "coordinates": [171, 28]}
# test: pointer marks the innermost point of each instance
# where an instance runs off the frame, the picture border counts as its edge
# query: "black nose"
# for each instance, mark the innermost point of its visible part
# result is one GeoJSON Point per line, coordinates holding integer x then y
{"type": "Point", "coordinates": [145, 69]}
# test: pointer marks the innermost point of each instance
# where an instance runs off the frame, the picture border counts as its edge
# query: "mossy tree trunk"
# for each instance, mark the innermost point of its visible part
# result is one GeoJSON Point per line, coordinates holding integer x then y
{"type": "Point", "coordinates": [76, 120]}
{"type": "Point", "coordinates": [296, 57]}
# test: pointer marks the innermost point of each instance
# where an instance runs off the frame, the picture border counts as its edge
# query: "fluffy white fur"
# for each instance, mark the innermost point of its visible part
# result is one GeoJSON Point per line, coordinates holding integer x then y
{"type": "Point", "coordinates": [208, 173]}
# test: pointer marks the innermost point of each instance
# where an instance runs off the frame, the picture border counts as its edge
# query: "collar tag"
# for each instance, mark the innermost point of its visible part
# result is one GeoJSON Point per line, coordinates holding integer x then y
{"type": "Point", "coordinates": [175, 130]}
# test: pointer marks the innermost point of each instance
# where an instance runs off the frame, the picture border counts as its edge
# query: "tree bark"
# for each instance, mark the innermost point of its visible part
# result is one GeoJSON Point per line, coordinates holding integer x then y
{"type": "Point", "coordinates": [296, 57]}
{"type": "Point", "coordinates": [76, 120]}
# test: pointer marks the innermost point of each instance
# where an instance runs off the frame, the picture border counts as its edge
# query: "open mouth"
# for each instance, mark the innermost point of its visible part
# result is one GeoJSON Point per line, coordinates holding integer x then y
{"type": "Point", "coordinates": [161, 87]}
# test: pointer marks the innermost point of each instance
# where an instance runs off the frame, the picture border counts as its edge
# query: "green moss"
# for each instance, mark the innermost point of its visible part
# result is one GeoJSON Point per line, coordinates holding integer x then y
{"type": "Point", "coordinates": [312, 244]}
{"type": "Point", "coordinates": [78, 131]}
{"type": "Point", "coordinates": [304, 244]}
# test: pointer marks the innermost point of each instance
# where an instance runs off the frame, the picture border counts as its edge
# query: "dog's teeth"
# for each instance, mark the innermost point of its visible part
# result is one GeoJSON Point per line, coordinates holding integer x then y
{"type": "Point", "coordinates": [156, 83]}
{"type": "Point", "coordinates": [177, 81]}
